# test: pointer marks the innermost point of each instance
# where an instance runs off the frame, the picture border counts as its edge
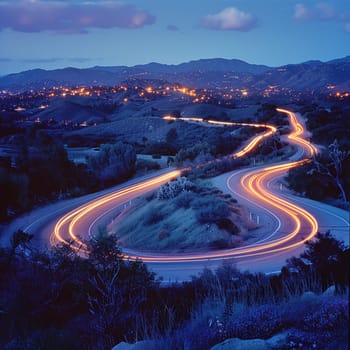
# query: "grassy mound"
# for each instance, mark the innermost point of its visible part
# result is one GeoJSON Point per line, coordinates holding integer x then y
{"type": "Point", "coordinates": [182, 216]}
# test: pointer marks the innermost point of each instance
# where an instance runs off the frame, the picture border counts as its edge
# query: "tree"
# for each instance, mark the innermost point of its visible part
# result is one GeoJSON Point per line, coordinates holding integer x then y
{"type": "Point", "coordinates": [171, 136]}
{"type": "Point", "coordinates": [14, 192]}
{"type": "Point", "coordinates": [190, 153]}
{"type": "Point", "coordinates": [104, 253]}
{"type": "Point", "coordinates": [45, 157]}
{"type": "Point", "coordinates": [104, 296]}
{"type": "Point", "coordinates": [327, 257]}
{"type": "Point", "coordinates": [334, 166]}
{"type": "Point", "coordinates": [118, 290]}
{"type": "Point", "coordinates": [19, 239]}
{"type": "Point", "coordinates": [113, 163]}
{"type": "Point", "coordinates": [324, 254]}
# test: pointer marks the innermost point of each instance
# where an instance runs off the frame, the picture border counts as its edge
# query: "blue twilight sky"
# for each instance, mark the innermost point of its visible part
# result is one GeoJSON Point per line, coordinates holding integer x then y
{"type": "Point", "coordinates": [83, 33]}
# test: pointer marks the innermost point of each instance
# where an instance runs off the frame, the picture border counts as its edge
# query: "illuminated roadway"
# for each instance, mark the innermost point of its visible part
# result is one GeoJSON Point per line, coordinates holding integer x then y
{"type": "Point", "coordinates": [289, 223]}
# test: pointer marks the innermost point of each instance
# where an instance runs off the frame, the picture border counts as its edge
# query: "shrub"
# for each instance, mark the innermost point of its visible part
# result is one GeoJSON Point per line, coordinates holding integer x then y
{"type": "Point", "coordinates": [147, 164]}
{"type": "Point", "coordinates": [218, 167]}
{"type": "Point", "coordinates": [297, 340]}
{"type": "Point", "coordinates": [332, 314]}
{"type": "Point", "coordinates": [205, 329]}
{"type": "Point", "coordinates": [113, 163]}
{"type": "Point", "coordinates": [301, 340]}
{"type": "Point", "coordinates": [160, 148]}
{"type": "Point", "coordinates": [191, 153]}
{"type": "Point", "coordinates": [297, 308]}
{"type": "Point", "coordinates": [184, 200]}
{"type": "Point", "coordinates": [317, 323]}
{"type": "Point", "coordinates": [45, 339]}
{"type": "Point", "coordinates": [258, 322]}
{"type": "Point", "coordinates": [210, 209]}
{"type": "Point", "coordinates": [220, 244]}
{"type": "Point", "coordinates": [204, 335]}
{"type": "Point", "coordinates": [153, 216]}
{"type": "Point", "coordinates": [164, 233]}
{"type": "Point", "coordinates": [173, 188]}
{"type": "Point", "coordinates": [228, 225]}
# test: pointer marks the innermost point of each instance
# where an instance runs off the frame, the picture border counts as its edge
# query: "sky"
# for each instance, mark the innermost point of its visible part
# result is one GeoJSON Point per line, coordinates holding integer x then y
{"type": "Point", "coordinates": [52, 34]}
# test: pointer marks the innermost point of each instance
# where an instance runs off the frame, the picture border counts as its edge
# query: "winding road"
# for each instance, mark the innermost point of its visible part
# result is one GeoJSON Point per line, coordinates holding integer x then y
{"type": "Point", "coordinates": [286, 221]}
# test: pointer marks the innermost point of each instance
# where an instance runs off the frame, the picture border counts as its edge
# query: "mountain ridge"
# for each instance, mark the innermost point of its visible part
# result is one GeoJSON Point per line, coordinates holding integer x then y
{"type": "Point", "coordinates": [209, 72]}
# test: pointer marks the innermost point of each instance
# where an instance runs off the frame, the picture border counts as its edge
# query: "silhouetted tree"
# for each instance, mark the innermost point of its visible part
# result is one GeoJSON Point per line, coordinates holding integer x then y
{"type": "Point", "coordinates": [327, 257]}
{"type": "Point", "coordinates": [113, 163]}
{"type": "Point", "coordinates": [171, 136]}
{"type": "Point", "coordinates": [334, 167]}
{"type": "Point", "coordinates": [19, 239]}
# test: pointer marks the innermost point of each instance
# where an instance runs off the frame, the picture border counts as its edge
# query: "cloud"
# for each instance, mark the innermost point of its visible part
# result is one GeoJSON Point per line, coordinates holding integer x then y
{"type": "Point", "coordinates": [302, 13]}
{"type": "Point", "coordinates": [40, 60]}
{"type": "Point", "coordinates": [65, 17]}
{"type": "Point", "coordinates": [172, 28]}
{"type": "Point", "coordinates": [47, 60]}
{"type": "Point", "coordinates": [326, 11]}
{"type": "Point", "coordinates": [56, 59]}
{"type": "Point", "coordinates": [229, 19]}
{"type": "Point", "coordinates": [321, 11]}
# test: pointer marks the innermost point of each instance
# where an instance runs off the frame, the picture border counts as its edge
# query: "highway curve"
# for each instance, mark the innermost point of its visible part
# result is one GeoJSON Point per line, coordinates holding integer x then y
{"type": "Point", "coordinates": [290, 224]}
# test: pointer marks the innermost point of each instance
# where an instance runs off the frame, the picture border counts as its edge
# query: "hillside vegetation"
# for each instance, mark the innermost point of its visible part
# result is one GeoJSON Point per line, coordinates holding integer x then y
{"type": "Point", "coordinates": [183, 216]}
{"type": "Point", "coordinates": [58, 300]}
{"type": "Point", "coordinates": [327, 177]}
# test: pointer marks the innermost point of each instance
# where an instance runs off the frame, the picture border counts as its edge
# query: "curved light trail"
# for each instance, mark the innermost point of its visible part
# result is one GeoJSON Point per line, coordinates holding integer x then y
{"type": "Point", "coordinates": [249, 146]}
{"type": "Point", "coordinates": [301, 226]}
{"type": "Point", "coordinates": [69, 220]}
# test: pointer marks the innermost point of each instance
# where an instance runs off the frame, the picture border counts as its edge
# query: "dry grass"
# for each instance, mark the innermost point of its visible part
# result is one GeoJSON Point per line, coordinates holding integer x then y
{"type": "Point", "coordinates": [164, 225]}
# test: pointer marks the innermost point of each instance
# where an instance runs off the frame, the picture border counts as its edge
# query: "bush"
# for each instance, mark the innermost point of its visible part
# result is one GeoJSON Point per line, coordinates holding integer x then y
{"type": "Point", "coordinates": [113, 163]}
{"type": "Point", "coordinates": [45, 339]}
{"type": "Point", "coordinates": [160, 148]}
{"type": "Point", "coordinates": [328, 258]}
{"type": "Point", "coordinates": [218, 167]}
{"type": "Point", "coordinates": [297, 340]}
{"type": "Point", "coordinates": [258, 322]}
{"type": "Point", "coordinates": [332, 314]}
{"type": "Point", "coordinates": [173, 188]}
{"type": "Point", "coordinates": [191, 153]}
{"type": "Point", "coordinates": [153, 216]}
{"type": "Point", "coordinates": [297, 308]}
{"type": "Point", "coordinates": [210, 209]}
{"type": "Point", "coordinates": [204, 335]}
{"type": "Point", "coordinates": [301, 340]}
{"type": "Point", "coordinates": [220, 244]}
{"type": "Point", "coordinates": [184, 200]}
{"type": "Point", "coordinates": [228, 225]}
{"type": "Point", "coordinates": [147, 165]}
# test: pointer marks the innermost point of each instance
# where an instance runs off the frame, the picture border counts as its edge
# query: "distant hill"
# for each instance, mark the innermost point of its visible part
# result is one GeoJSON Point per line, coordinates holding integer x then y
{"type": "Point", "coordinates": [307, 76]}
{"type": "Point", "coordinates": [341, 60]}
{"type": "Point", "coordinates": [215, 72]}
{"type": "Point", "coordinates": [206, 65]}
{"type": "Point", "coordinates": [203, 65]}
{"type": "Point", "coordinates": [74, 109]}
{"type": "Point", "coordinates": [116, 74]}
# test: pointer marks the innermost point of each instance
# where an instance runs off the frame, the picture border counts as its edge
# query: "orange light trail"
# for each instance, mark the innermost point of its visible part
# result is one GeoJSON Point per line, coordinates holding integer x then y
{"type": "Point", "coordinates": [254, 183]}
{"type": "Point", "coordinates": [74, 216]}
{"type": "Point", "coordinates": [249, 147]}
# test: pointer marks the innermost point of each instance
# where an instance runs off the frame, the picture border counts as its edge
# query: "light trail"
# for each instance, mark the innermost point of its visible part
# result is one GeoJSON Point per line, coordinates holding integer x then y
{"type": "Point", "coordinates": [74, 216]}
{"type": "Point", "coordinates": [247, 148]}
{"type": "Point", "coordinates": [254, 183]}
{"type": "Point", "coordinates": [296, 136]}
